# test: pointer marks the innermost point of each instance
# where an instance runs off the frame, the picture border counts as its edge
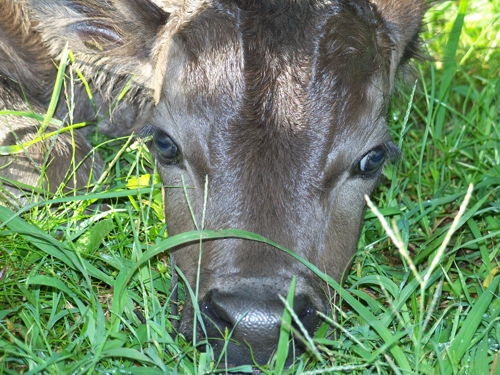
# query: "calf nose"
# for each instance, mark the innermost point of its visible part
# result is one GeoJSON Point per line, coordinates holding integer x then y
{"type": "Point", "coordinates": [252, 322]}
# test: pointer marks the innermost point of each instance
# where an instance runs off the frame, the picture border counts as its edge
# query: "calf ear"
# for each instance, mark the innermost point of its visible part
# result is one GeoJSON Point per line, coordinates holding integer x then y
{"type": "Point", "coordinates": [116, 36]}
{"type": "Point", "coordinates": [403, 19]}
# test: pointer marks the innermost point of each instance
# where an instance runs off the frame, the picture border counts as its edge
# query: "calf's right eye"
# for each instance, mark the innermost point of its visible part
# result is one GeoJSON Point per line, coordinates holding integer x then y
{"type": "Point", "coordinates": [166, 150]}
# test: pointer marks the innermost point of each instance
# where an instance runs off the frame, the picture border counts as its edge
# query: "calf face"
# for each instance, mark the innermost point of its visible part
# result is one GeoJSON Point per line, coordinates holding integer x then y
{"type": "Point", "coordinates": [281, 105]}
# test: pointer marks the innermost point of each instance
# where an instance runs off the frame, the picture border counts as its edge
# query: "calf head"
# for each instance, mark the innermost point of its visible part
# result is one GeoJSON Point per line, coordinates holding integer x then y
{"type": "Point", "coordinates": [281, 106]}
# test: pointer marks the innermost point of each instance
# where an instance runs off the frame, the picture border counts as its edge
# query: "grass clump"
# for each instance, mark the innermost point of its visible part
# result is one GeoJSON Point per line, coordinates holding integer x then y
{"type": "Point", "coordinates": [84, 292]}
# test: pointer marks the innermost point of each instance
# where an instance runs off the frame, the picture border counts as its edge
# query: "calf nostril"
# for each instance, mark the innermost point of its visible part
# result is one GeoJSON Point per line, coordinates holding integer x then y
{"type": "Point", "coordinates": [217, 316]}
{"type": "Point", "coordinates": [307, 311]}
{"type": "Point", "coordinates": [308, 317]}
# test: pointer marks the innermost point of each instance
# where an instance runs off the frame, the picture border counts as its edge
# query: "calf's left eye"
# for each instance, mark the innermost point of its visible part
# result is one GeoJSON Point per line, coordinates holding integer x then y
{"type": "Point", "coordinates": [372, 161]}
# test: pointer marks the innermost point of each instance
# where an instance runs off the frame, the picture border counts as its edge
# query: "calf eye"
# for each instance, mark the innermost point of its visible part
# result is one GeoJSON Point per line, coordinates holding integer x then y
{"type": "Point", "coordinates": [166, 149]}
{"type": "Point", "coordinates": [372, 161]}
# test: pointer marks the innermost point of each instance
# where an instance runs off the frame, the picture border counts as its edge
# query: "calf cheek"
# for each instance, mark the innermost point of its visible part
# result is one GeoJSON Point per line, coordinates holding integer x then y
{"type": "Point", "coordinates": [344, 227]}
{"type": "Point", "coordinates": [178, 195]}
{"type": "Point", "coordinates": [343, 240]}
{"type": "Point", "coordinates": [178, 217]}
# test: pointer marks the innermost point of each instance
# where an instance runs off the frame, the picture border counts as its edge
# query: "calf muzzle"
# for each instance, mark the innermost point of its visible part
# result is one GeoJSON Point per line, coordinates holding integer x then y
{"type": "Point", "coordinates": [250, 321]}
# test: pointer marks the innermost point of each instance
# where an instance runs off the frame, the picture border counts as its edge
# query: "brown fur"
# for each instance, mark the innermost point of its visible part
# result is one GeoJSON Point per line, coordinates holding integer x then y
{"type": "Point", "coordinates": [170, 6]}
{"type": "Point", "coordinates": [23, 57]}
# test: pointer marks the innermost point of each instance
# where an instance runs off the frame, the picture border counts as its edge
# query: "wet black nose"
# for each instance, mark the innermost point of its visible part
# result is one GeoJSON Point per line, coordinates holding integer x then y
{"type": "Point", "coordinates": [252, 322]}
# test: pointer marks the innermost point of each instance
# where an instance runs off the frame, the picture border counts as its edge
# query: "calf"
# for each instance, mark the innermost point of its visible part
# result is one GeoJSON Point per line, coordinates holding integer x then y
{"type": "Point", "coordinates": [282, 105]}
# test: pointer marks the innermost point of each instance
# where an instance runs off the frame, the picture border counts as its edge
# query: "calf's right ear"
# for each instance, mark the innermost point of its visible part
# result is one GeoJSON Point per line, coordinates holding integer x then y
{"type": "Point", "coordinates": [116, 36]}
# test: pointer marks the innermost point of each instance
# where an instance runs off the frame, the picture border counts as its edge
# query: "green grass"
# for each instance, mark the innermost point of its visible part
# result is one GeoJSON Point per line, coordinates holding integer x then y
{"type": "Point", "coordinates": [75, 286]}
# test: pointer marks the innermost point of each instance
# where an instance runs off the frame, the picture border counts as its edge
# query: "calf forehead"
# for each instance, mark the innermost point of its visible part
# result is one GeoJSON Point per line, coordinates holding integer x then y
{"type": "Point", "coordinates": [246, 77]}
{"type": "Point", "coordinates": [279, 65]}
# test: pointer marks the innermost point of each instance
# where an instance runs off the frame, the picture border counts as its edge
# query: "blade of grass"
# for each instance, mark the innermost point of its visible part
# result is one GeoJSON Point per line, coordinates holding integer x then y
{"type": "Point", "coordinates": [449, 67]}
{"type": "Point", "coordinates": [51, 246]}
{"type": "Point", "coordinates": [284, 337]}
{"type": "Point", "coordinates": [469, 327]}
{"type": "Point", "coordinates": [57, 90]}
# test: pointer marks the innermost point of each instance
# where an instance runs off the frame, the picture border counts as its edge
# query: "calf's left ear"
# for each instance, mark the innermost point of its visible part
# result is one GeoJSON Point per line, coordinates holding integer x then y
{"type": "Point", "coordinates": [402, 19]}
